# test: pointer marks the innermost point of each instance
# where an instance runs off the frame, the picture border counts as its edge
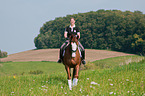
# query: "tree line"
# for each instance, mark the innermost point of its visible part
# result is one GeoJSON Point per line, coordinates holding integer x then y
{"type": "Point", "coordinates": [3, 54]}
{"type": "Point", "coordinates": [102, 29]}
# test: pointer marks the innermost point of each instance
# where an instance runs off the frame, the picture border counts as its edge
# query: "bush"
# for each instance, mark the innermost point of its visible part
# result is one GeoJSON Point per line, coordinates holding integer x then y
{"type": "Point", "coordinates": [3, 54]}
{"type": "Point", "coordinates": [36, 72]}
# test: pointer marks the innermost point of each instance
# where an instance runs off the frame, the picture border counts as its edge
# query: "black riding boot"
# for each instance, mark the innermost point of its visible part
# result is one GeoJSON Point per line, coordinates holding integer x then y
{"type": "Point", "coordinates": [60, 56]}
{"type": "Point", "coordinates": [62, 48]}
{"type": "Point", "coordinates": [83, 57]}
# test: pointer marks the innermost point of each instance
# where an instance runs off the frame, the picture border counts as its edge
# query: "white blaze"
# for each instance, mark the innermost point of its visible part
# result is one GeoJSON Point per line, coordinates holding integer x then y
{"type": "Point", "coordinates": [74, 48]}
{"type": "Point", "coordinates": [73, 54]}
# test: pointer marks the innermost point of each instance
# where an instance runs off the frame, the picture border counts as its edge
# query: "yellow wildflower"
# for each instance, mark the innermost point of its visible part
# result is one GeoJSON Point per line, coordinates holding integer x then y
{"type": "Point", "coordinates": [14, 77]}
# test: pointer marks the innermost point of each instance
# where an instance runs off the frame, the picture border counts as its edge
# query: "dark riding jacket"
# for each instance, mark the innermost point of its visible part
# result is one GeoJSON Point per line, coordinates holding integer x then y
{"type": "Point", "coordinates": [75, 30]}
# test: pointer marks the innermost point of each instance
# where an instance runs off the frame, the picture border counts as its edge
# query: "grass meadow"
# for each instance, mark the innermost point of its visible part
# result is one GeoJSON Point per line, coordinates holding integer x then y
{"type": "Point", "coordinates": [119, 76]}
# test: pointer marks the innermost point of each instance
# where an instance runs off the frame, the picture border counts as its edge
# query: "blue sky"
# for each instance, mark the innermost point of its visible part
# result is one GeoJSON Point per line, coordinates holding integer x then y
{"type": "Point", "coordinates": [20, 20]}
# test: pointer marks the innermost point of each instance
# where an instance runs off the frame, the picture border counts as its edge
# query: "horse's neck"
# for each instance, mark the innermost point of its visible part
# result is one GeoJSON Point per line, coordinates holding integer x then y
{"type": "Point", "coordinates": [68, 48]}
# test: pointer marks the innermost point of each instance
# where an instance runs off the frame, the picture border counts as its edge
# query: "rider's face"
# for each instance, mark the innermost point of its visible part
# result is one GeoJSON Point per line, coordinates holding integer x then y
{"type": "Point", "coordinates": [72, 21]}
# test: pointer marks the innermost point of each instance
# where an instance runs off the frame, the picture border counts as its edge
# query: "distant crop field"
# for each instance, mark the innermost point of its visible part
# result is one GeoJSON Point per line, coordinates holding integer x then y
{"type": "Point", "coordinates": [53, 55]}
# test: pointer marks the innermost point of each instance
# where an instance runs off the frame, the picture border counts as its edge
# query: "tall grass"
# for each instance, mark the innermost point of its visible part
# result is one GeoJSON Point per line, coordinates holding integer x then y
{"type": "Point", "coordinates": [123, 80]}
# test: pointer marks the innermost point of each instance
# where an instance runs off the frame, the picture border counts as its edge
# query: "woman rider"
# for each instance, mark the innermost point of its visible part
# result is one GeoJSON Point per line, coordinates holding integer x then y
{"type": "Point", "coordinates": [71, 29]}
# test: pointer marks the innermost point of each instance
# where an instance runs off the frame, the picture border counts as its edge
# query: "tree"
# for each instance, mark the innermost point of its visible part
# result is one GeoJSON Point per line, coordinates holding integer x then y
{"type": "Point", "coordinates": [103, 29]}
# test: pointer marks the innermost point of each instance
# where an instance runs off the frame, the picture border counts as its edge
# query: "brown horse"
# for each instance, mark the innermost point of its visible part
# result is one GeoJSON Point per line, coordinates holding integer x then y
{"type": "Point", "coordinates": [72, 59]}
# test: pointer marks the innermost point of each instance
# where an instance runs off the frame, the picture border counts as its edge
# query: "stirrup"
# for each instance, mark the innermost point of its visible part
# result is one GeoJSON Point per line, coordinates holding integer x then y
{"type": "Point", "coordinates": [84, 62]}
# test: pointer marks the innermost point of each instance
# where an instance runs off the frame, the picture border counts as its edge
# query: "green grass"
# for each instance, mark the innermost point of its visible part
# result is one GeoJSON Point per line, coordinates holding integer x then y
{"type": "Point", "coordinates": [118, 79]}
{"type": "Point", "coordinates": [18, 68]}
{"type": "Point", "coordinates": [113, 62]}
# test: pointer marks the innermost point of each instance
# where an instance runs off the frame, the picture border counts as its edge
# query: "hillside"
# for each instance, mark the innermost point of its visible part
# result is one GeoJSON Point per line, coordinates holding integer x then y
{"type": "Point", "coordinates": [53, 54]}
{"type": "Point", "coordinates": [109, 78]}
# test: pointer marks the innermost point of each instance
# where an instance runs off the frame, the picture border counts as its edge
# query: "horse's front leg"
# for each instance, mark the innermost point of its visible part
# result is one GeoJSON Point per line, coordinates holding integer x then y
{"type": "Point", "coordinates": [76, 75]}
{"type": "Point", "coordinates": [69, 77]}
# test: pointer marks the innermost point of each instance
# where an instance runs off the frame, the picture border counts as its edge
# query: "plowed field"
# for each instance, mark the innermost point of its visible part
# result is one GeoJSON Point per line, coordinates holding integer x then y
{"type": "Point", "coordinates": [53, 54]}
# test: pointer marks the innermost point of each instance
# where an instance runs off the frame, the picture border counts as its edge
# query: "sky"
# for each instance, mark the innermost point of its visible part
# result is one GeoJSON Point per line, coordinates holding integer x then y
{"type": "Point", "coordinates": [21, 20]}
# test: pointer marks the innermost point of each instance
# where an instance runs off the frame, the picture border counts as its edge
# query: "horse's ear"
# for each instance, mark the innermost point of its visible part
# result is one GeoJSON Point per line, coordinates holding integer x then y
{"type": "Point", "coordinates": [70, 37]}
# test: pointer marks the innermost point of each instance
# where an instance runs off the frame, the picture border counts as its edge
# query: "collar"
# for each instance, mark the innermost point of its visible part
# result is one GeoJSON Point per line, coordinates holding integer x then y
{"type": "Point", "coordinates": [73, 26]}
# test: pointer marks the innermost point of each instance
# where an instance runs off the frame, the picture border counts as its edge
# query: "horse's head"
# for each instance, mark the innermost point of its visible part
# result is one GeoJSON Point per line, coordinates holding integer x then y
{"type": "Point", "coordinates": [74, 44]}
{"type": "Point", "coordinates": [74, 38]}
